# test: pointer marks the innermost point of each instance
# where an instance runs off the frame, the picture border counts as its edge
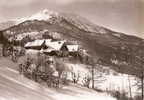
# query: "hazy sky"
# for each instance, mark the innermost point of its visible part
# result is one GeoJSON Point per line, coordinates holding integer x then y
{"type": "Point", "coordinates": [120, 15]}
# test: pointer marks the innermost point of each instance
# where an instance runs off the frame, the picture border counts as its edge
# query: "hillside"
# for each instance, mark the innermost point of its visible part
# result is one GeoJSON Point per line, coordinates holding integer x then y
{"type": "Point", "coordinates": [16, 87]}
{"type": "Point", "coordinates": [101, 43]}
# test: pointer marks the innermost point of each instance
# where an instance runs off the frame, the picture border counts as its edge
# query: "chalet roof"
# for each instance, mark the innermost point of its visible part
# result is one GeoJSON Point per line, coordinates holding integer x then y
{"type": "Point", "coordinates": [34, 43]}
{"type": "Point", "coordinates": [56, 45]}
{"type": "Point", "coordinates": [72, 48]}
{"type": "Point", "coordinates": [37, 43]}
{"type": "Point", "coordinates": [48, 40]}
{"type": "Point", "coordinates": [53, 45]}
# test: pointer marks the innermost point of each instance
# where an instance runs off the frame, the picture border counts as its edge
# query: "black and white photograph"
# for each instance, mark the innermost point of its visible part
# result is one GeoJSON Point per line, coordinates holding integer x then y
{"type": "Point", "coordinates": [71, 49]}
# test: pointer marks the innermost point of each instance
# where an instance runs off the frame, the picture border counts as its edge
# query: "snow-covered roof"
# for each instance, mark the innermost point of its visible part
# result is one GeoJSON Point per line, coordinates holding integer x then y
{"type": "Point", "coordinates": [72, 48]}
{"type": "Point", "coordinates": [37, 43]}
{"type": "Point", "coordinates": [34, 43]}
{"type": "Point", "coordinates": [47, 41]}
{"type": "Point", "coordinates": [56, 45]}
{"type": "Point", "coordinates": [28, 44]}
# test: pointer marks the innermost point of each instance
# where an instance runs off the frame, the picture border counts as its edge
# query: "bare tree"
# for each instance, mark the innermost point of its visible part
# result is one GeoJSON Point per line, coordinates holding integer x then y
{"type": "Point", "coordinates": [86, 81]}
{"type": "Point", "coordinates": [75, 77]}
{"type": "Point", "coordinates": [60, 68]}
{"type": "Point", "coordinates": [133, 60]}
{"type": "Point", "coordinates": [130, 90]}
{"type": "Point", "coordinates": [138, 58]}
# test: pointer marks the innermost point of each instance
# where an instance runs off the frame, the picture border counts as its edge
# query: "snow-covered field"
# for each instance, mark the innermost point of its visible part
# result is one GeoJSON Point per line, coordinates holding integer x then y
{"type": "Point", "coordinates": [120, 82]}
{"type": "Point", "coordinates": [16, 87]}
{"type": "Point", "coordinates": [109, 81]}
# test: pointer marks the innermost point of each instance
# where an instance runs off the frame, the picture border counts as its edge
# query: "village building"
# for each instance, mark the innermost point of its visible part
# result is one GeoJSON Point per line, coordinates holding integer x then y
{"type": "Point", "coordinates": [37, 44]}
{"type": "Point", "coordinates": [56, 48]}
{"type": "Point", "coordinates": [72, 48]}
{"type": "Point", "coordinates": [52, 48]}
{"type": "Point", "coordinates": [56, 45]}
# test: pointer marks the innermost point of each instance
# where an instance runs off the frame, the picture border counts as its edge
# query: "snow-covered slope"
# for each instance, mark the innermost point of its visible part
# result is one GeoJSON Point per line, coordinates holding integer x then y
{"type": "Point", "coordinates": [42, 15]}
{"type": "Point", "coordinates": [16, 87]}
{"type": "Point", "coordinates": [107, 79]}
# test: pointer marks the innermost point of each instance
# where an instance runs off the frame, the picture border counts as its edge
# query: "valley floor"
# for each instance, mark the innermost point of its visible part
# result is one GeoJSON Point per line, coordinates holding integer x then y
{"type": "Point", "coordinates": [16, 87]}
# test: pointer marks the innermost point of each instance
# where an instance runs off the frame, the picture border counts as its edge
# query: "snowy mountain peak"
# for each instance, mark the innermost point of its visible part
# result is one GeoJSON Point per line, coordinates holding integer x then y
{"type": "Point", "coordinates": [42, 15]}
{"type": "Point", "coordinates": [48, 12]}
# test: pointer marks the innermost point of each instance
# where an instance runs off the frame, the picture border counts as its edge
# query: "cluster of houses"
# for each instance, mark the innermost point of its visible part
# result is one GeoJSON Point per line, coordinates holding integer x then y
{"type": "Point", "coordinates": [51, 47]}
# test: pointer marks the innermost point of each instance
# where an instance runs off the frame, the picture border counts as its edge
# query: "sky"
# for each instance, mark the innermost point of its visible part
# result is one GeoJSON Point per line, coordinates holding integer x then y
{"type": "Point", "coordinates": [119, 15]}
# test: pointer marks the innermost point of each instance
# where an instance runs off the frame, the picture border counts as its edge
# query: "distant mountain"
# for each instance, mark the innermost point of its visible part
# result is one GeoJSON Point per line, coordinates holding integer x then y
{"type": "Point", "coordinates": [42, 15]}
{"type": "Point", "coordinates": [7, 24]}
{"type": "Point", "coordinates": [112, 48]}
